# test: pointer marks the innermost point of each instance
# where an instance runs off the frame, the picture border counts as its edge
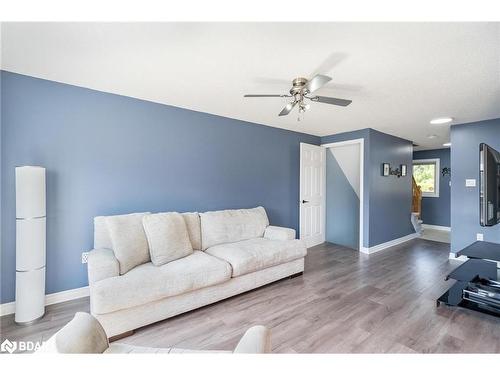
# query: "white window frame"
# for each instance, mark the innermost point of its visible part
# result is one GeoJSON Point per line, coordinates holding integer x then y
{"type": "Point", "coordinates": [436, 162]}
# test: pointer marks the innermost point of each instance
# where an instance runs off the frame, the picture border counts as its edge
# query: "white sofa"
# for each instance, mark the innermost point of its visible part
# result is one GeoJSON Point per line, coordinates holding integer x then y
{"type": "Point", "coordinates": [84, 335]}
{"type": "Point", "coordinates": [234, 251]}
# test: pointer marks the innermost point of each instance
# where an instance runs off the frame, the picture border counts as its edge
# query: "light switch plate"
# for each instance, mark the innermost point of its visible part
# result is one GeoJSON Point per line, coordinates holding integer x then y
{"type": "Point", "coordinates": [85, 257]}
{"type": "Point", "coordinates": [479, 237]}
{"type": "Point", "coordinates": [470, 182]}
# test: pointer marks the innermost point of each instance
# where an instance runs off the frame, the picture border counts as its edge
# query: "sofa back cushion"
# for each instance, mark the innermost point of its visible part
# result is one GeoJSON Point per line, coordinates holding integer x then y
{"type": "Point", "coordinates": [193, 225]}
{"type": "Point", "coordinates": [218, 227]}
{"type": "Point", "coordinates": [168, 237]}
{"type": "Point", "coordinates": [102, 240]}
{"type": "Point", "coordinates": [129, 240]}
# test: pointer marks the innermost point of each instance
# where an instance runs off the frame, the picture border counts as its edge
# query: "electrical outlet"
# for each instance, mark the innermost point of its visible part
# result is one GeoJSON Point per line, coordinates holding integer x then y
{"type": "Point", "coordinates": [85, 257]}
{"type": "Point", "coordinates": [479, 237]}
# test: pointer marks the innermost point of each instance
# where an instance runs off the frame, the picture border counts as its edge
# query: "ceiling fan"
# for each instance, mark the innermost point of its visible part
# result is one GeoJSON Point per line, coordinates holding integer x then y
{"type": "Point", "coordinates": [302, 89]}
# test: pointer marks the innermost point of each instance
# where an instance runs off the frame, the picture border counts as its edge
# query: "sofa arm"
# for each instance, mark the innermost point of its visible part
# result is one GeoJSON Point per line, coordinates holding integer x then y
{"type": "Point", "coordinates": [256, 340]}
{"type": "Point", "coordinates": [102, 264]}
{"type": "Point", "coordinates": [279, 233]}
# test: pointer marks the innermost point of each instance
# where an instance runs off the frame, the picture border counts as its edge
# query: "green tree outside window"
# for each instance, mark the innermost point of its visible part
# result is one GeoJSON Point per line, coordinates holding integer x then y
{"type": "Point", "coordinates": [425, 176]}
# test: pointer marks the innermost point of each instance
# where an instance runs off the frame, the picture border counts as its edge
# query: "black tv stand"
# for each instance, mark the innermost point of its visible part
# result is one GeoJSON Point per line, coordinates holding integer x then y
{"type": "Point", "coordinates": [477, 285]}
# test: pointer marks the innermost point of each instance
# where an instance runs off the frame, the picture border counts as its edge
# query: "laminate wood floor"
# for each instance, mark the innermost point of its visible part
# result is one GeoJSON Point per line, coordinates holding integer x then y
{"type": "Point", "coordinates": [345, 302]}
{"type": "Point", "coordinates": [436, 235]}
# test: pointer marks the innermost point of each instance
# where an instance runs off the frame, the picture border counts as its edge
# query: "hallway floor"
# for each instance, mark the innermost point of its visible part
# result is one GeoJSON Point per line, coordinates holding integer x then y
{"type": "Point", "coordinates": [436, 235]}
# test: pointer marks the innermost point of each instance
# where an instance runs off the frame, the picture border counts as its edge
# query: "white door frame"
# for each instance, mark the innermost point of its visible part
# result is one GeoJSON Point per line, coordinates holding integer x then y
{"type": "Point", "coordinates": [310, 243]}
{"type": "Point", "coordinates": [361, 143]}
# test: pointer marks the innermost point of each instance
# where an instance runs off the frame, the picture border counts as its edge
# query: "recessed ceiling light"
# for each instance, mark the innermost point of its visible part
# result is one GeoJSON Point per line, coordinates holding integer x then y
{"type": "Point", "coordinates": [447, 144]}
{"type": "Point", "coordinates": [432, 136]}
{"type": "Point", "coordinates": [441, 120]}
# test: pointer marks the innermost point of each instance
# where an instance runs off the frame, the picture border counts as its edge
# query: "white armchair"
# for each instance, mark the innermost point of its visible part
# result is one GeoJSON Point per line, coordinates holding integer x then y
{"type": "Point", "coordinates": [84, 334]}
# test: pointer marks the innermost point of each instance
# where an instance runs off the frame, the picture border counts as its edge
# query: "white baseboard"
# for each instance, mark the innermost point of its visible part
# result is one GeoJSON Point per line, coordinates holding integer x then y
{"type": "Point", "coordinates": [50, 299]}
{"type": "Point", "coordinates": [436, 227]}
{"type": "Point", "coordinates": [385, 245]}
{"type": "Point", "coordinates": [461, 258]}
{"type": "Point", "coordinates": [7, 308]}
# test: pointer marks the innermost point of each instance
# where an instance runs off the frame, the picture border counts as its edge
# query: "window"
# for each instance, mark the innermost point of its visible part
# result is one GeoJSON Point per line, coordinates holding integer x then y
{"type": "Point", "coordinates": [426, 175]}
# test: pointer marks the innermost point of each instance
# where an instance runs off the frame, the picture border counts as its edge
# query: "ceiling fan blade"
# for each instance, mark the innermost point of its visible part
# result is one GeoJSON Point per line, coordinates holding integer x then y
{"type": "Point", "coordinates": [265, 96]}
{"type": "Point", "coordinates": [329, 100]}
{"type": "Point", "coordinates": [272, 81]}
{"type": "Point", "coordinates": [330, 62]}
{"type": "Point", "coordinates": [288, 108]}
{"type": "Point", "coordinates": [344, 87]}
{"type": "Point", "coordinates": [316, 82]}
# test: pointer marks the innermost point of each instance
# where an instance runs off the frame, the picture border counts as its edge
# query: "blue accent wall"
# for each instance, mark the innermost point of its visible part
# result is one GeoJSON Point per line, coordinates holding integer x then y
{"type": "Point", "coordinates": [465, 140]}
{"type": "Point", "coordinates": [437, 211]}
{"type": "Point", "coordinates": [390, 197]}
{"type": "Point", "coordinates": [342, 206]}
{"type": "Point", "coordinates": [108, 154]}
{"type": "Point", "coordinates": [387, 200]}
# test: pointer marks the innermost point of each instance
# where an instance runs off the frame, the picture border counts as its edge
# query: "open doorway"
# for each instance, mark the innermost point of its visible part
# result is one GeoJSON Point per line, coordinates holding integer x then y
{"type": "Point", "coordinates": [344, 193]}
{"type": "Point", "coordinates": [432, 181]}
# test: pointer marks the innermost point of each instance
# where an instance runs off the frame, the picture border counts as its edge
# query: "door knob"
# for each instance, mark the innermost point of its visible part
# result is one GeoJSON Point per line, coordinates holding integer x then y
{"type": "Point", "coordinates": [304, 201]}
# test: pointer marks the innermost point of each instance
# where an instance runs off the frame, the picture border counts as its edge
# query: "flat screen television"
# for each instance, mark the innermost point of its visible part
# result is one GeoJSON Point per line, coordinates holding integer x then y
{"type": "Point", "coordinates": [489, 194]}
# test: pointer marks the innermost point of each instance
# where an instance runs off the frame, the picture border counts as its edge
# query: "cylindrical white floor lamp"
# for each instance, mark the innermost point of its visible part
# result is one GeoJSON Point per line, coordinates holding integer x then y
{"type": "Point", "coordinates": [30, 244]}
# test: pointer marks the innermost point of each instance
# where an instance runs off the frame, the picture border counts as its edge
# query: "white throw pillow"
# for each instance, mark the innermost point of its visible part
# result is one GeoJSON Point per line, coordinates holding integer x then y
{"type": "Point", "coordinates": [193, 225]}
{"type": "Point", "coordinates": [168, 237]}
{"type": "Point", "coordinates": [129, 240]}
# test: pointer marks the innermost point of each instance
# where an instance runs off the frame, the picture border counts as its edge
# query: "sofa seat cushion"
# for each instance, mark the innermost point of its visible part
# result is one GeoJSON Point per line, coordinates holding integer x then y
{"type": "Point", "coordinates": [148, 283]}
{"type": "Point", "coordinates": [258, 253]}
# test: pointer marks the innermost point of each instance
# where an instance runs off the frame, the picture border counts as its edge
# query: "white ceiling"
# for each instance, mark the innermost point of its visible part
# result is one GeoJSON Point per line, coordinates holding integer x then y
{"type": "Point", "coordinates": [399, 75]}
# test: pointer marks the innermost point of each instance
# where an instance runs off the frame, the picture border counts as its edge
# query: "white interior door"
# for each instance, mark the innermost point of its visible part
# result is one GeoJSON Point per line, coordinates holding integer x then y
{"type": "Point", "coordinates": [312, 194]}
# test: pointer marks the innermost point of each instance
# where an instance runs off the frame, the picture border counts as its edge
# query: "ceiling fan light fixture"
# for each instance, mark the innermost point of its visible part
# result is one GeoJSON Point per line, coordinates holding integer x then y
{"type": "Point", "coordinates": [301, 87]}
{"type": "Point", "coordinates": [441, 120]}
